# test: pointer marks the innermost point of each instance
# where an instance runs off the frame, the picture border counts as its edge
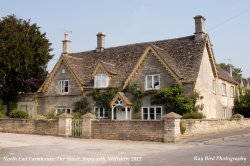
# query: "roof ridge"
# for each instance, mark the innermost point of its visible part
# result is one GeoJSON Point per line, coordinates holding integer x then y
{"type": "Point", "coordinates": [139, 43]}
{"type": "Point", "coordinates": [73, 57]}
{"type": "Point", "coordinates": [107, 63]}
{"type": "Point", "coordinates": [157, 47]}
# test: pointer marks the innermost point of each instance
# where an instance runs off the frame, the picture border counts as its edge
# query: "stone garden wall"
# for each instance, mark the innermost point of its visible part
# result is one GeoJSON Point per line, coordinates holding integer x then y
{"type": "Point", "coordinates": [27, 126]}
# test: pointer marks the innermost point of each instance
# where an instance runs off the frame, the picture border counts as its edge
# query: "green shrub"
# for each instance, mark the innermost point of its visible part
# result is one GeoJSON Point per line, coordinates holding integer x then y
{"type": "Point", "coordinates": [15, 113]}
{"type": "Point", "coordinates": [137, 115]}
{"type": "Point", "coordinates": [174, 99]}
{"type": "Point", "coordinates": [1, 106]}
{"type": "Point", "coordinates": [76, 115]}
{"type": "Point", "coordinates": [40, 117]}
{"type": "Point", "coordinates": [193, 115]}
{"type": "Point", "coordinates": [182, 128]}
{"type": "Point", "coordinates": [51, 115]}
{"type": "Point", "coordinates": [2, 115]}
{"type": "Point", "coordinates": [242, 104]}
{"type": "Point", "coordinates": [81, 106]}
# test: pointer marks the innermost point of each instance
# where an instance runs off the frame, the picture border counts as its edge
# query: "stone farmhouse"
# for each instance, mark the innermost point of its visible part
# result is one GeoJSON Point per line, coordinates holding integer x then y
{"type": "Point", "coordinates": [188, 61]}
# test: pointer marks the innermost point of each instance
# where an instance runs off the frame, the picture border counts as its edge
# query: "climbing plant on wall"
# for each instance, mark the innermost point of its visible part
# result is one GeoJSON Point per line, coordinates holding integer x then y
{"type": "Point", "coordinates": [137, 94]}
{"type": "Point", "coordinates": [103, 97]}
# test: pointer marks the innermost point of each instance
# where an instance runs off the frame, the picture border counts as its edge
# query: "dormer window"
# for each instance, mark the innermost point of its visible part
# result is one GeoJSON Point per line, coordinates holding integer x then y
{"type": "Point", "coordinates": [101, 81]}
{"type": "Point", "coordinates": [63, 86]}
{"type": "Point", "coordinates": [152, 82]}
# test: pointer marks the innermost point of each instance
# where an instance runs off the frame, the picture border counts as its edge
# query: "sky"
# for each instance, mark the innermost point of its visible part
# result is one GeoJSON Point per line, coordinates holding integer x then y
{"type": "Point", "coordinates": [134, 21]}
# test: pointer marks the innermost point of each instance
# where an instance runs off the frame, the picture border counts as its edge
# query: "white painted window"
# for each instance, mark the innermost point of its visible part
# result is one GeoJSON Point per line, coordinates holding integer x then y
{"type": "Point", "coordinates": [63, 86]}
{"type": "Point", "coordinates": [101, 81]}
{"type": "Point", "coordinates": [152, 113]}
{"type": "Point", "coordinates": [224, 113]}
{"type": "Point", "coordinates": [152, 82]}
{"type": "Point", "coordinates": [232, 91]}
{"type": "Point", "coordinates": [101, 112]}
{"type": "Point", "coordinates": [224, 89]}
{"type": "Point", "coordinates": [63, 110]}
{"type": "Point", "coordinates": [214, 86]}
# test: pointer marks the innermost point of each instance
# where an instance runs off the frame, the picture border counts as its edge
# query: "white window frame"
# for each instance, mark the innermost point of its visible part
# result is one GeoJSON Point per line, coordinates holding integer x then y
{"type": "Point", "coordinates": [153, 82]}
{"type": "Point", "coordinates": [62, 110]}
{"type": "Point", "coordinates": [103, 82]}
{"type": "Point", "coordinates": [62, 86]}
{"type": "Point", "coordinates": [232, 91]}
{"type": "Point", "coordinates": [224, 89]}
{"type": "Point", "coordinates": [148, 112]}
{"type": "Point", "coordinates": [214, 86]}
{"type": "Point", "coordinates": [224, 112]}
{"type": "Point", "coordinates": [97, 110]}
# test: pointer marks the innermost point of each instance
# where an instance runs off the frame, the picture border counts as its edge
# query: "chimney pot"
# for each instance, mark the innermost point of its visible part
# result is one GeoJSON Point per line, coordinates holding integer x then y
{"type": "Point", "coordinates": [66, 43]}
{"type": "Point", "coordinates": [100, 42]}
{"type": "Point", "coordinates": [229, 69]}
{"type": "Point", "coordinates": [199, 27]}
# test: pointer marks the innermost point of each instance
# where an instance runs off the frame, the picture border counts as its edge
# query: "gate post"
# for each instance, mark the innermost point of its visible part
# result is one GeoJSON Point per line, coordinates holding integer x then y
{"type": "Point", "coordinates": [86, 125]}
{"type": "Point", "coordinates": [64, 125]}
{"type": "Point", "coordinates": [171, 127]}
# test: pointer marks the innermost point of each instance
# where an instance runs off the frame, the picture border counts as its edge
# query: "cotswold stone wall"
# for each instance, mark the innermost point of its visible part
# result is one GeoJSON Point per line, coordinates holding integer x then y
{"type": "Point", "coordinates": [128, 130]}
{"type": "Point", "coordinates": [195, 127]}
{"type": "Point", "coordinates": [25, 126]}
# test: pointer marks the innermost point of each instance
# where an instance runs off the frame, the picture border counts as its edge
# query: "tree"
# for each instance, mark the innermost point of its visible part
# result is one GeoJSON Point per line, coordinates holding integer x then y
{"type": "Point", "coordinates": [236, 72]}
{"type": "Point", "coordinates": [242, 104]}
{"type": "Point", "coordinates": [24, 54]}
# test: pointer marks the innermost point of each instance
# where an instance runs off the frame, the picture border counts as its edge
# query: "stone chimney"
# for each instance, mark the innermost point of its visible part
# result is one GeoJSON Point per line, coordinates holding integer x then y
{"type": "Point", "coordinates": [199, 27]}
{"type": "Point", "coordinates": [66, 42]}
{"type": "Point", "coordinates": [100, 42]}
{"type": "Point", "coordinates": [229, 69]}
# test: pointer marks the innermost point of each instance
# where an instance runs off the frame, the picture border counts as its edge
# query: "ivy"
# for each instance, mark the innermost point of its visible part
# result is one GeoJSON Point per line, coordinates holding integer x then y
{"type": "Point", "coordinates": [81, 106]}
{"type": "Point", "coordinates": [138, 94]}
{"type": "Point", "coordinates": [174, 99]}
{"type": "Point", "coordinates": [103, 97]}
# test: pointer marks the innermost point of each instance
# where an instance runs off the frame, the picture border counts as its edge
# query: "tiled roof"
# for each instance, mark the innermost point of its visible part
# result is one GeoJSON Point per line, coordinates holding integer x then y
{"type": "Point", "coordinates": [109, 67]}
{"type": "Point", "coordinates": [182, 55]}
{"type": "Point", "coordinates": [123, 97]}
{"type": "Point", "coordinates": [224, 75]}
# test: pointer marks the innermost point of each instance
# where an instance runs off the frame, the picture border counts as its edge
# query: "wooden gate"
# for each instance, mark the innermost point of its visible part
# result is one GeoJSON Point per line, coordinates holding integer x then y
{"type": "Point", "coordinates": [76, 128]}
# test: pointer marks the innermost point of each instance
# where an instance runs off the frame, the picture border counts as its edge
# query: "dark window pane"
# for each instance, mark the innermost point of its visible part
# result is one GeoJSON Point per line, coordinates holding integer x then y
{"type": "Point", "coordinates": [101, 112]}
{"type": "Point", "coordinates": [145, 113]}
{"type": "Point", "coordinates": [106, 114]}
{"type": "Point", "coordinates": [158, 110]}
{"type": "Point", "coordinates": [151, 110]}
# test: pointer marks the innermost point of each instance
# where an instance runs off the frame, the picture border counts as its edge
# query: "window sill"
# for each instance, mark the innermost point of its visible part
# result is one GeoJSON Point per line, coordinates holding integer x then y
{"type": "Point", "coordinates": [100, 87]}
{"type": "Point", "coordinates": [152, 89]}
{"type": "Point", "coordinates": [66, 93]}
